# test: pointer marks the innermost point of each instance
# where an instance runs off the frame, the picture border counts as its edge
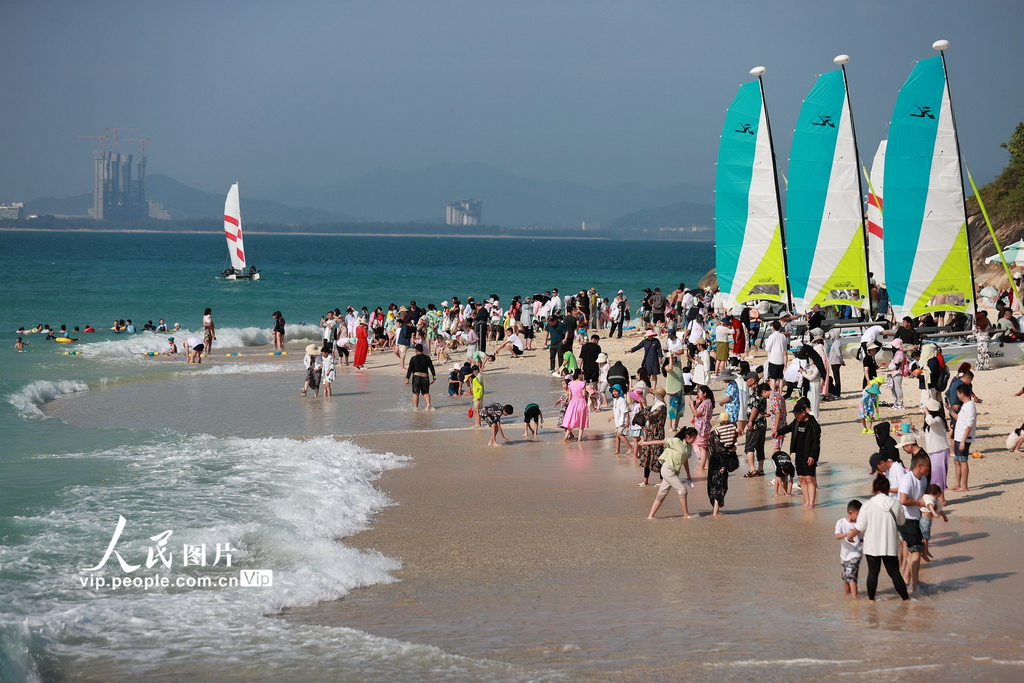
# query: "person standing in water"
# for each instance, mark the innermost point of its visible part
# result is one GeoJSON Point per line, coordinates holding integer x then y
{"type": "Point", "coordinates": [209, 331]}
{"type": "Point", "coordinates": [419, 373]}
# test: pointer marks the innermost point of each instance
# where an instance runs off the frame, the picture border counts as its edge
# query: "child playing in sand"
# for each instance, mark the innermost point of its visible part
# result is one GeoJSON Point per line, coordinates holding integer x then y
{"type": "Point", "coordinates": [932, 509]}
{"type": "Point", "coordinates": [620, 417]}
{"type": "Point", "coordinates": [636, 419]}
{"type": "Point", "coordinates": [532, 414]}
{"type": "Point", "coordinates": [327, 373]}
{"type": "Point", "coordinates": [849, 551]}
{"type": "Point", "coordinates": [493, 414]}
{"type": "Point", "coordinates": [477, 387]}
{"type": "Point", "coordinates": [455, 381]}
{"type": "Point", "coordinates": [867, 411]}
{"type": "Point", "coordinates": [784, 472]}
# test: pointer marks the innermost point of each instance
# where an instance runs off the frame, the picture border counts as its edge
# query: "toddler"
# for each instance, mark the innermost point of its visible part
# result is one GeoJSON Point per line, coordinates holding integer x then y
{"type": "Point", "coordinates": [849, 551]}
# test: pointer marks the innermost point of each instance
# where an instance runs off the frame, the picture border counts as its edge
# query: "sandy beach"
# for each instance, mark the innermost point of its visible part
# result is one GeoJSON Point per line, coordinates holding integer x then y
{"type": "Point", "coordinates": [538, 554]}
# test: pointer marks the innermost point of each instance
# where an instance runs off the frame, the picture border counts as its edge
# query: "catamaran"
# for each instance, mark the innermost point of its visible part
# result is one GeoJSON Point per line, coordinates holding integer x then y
{"type": "Point", "coordinates": [824, 225]}
{"type": "Point", "coordinates": [750, 242]}
{"type": "Point", "coordinates": [233, 233]}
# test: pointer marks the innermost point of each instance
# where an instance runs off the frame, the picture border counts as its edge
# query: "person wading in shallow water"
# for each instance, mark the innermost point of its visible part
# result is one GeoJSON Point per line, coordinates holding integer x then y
{"type": "Point", "coordinates": [419, 374]}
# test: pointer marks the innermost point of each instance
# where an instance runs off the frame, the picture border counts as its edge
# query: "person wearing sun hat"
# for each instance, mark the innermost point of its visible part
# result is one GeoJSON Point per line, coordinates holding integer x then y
{"type": "Point", "coordinates": [313, 363]}
{"type": "Point", "coordinates": [867, 411]}
{"type": "Point", "coordinates": [723, 447]}
{"type": "Point", "coordinates": [652, 355]}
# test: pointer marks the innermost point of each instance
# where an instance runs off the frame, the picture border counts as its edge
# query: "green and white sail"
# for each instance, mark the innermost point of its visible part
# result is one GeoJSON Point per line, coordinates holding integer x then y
{"type": "Point", "coordinates": [927, 256]}
{"type": "Point", "coordinates": [876, 231]}
{"type": "Point", "coordinates": [825, 215]}
{"type": "Point", "coordinates": [749, 257]}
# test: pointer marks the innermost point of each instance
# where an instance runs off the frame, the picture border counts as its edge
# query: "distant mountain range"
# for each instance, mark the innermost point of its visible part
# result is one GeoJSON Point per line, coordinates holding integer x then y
{"type": "Point", "coordinates": [420, 195]}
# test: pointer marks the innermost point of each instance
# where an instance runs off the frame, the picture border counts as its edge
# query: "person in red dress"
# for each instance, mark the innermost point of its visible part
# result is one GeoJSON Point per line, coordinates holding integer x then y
{"type": "Point", "coordinates": [362, 345]}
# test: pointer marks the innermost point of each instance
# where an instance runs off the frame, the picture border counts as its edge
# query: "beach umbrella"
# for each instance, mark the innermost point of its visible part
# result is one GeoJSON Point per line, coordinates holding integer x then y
{"type": "Point", "coordinates": [989, 292]}
{"type": "Point", "coordinates": [1014, 254]}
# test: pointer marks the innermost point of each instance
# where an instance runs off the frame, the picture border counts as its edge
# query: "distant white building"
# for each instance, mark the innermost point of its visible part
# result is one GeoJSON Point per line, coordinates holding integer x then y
{"type": "Point", "coordinates": [464, 212]}
{"type": "Point", "coordinates": [12, 211]}
{"type": "Point", "coordinates": [158, 212]}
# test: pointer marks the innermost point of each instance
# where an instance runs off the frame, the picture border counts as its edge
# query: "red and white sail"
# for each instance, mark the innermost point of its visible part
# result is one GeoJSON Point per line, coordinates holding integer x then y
{"type": "Point", "coordinates": [233, 229]}
{"type": "Point", "coordinates": [876, 251]}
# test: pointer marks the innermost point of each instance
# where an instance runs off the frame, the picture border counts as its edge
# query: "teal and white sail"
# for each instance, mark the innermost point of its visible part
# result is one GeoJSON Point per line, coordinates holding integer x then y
{"type": "Point", "coordinates": [927, 256]}
{"type": "Point", "coordinates": [749, 258]}
{"type": "Point", "coordinates": [876, 231]}
{"type": "Point", "coordinates": [825, 214]}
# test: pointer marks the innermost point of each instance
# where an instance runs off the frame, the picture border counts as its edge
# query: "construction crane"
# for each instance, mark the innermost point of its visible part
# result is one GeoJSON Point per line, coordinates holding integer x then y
{"type": "Point", "coordinates": [101, 138]}
{"type": "Point", "coordinates": [140, 140]}
{"type": "Point", "coordinates": [117, 131]}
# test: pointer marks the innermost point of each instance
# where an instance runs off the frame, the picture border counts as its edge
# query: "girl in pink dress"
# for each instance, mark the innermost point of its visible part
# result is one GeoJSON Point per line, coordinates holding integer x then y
{"type": "Point", "coordinates": [577, 413]}
{"type": "Point", "coordinates": [703, 404]}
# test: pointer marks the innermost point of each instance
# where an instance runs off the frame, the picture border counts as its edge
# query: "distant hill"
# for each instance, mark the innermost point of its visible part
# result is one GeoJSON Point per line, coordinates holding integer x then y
{"type": "Point", "coordinates": [508, 199]}
{"type": "Point", "coordinates": [184, 203]}
{"type": "Point", "coordinates": [679, 215]}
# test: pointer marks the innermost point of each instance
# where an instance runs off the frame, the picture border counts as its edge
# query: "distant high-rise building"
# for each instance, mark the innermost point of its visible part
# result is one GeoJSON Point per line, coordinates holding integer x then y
{"type": "Point", "coordinates": [119, 187]}
{"type": "Point", "coordinates": [12, 212]}
{"type": "Point", "coordinates": [464, 212]}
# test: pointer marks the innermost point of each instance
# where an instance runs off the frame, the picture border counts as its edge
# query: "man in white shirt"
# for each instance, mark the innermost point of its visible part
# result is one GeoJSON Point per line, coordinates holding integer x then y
{"type": "Point", "coordinates": [911, 492]}
{"type": "Point", "coordinates": [777, 347]}
{"type": "Point", "coordinates": [963, 435]}
{"type": "Point", "coordinates": [870, 335]}
{"type": "Point", "coordinates": [556, 303]}
{"type": "Point", "coordinates": [514, 343]}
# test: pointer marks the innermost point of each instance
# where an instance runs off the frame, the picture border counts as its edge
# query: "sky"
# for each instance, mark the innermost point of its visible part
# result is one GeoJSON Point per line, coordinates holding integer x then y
{"type": "Point", "coordinates": [597, 93]}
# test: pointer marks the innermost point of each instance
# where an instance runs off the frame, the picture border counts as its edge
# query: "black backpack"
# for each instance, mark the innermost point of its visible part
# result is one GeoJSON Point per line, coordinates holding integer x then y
{"type": "Point", "coordinates": [940, 379]}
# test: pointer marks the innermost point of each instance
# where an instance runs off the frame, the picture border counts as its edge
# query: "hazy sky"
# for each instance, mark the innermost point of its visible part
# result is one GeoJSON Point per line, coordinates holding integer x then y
{"type": "Point", "coordinates": [599, 93]}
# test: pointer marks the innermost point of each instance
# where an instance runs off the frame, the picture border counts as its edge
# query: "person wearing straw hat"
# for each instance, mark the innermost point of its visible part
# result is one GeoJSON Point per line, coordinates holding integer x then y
{"type": "Point", "coordinates": [313, 363]}
{"type": "Point", "coordinates": [723, 448]}
{"type": "Point", "coordinates": [652, 355]}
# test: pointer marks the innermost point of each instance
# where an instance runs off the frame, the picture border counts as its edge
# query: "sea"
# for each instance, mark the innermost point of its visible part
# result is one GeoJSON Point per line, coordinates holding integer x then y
{"type": "Point", "coordinates": [162, 481]}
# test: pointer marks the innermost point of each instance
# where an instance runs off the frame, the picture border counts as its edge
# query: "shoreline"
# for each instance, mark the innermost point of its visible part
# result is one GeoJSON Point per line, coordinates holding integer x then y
{"type": "Point", "coordinates": [537, 554]}
{"type": "Point", "coordinates": [251, 231]}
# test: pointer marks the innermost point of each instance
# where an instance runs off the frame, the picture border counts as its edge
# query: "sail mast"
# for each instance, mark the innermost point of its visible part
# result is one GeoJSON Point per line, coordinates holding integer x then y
{"type": "Point", "coordinates": [941, 46]}
{"type": "Point", "coordinates": [842, 60]}
{"type": "Point", "coordinates": [759, 72]}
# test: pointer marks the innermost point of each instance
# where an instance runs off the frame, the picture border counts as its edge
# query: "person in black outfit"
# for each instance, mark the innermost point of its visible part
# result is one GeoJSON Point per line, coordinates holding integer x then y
{"type": "Point", "coordinates": [623, 315]}
{"type": "Point", "coordinates": [886, 444]}
{"type": "Point", "coordinates": [556, 331]}
{"type": "Point", "coordinates": [906, 332]}
{"type": "Point", "coordinates": [618, 374]}
{"type": "Point", "coordinates": [806, 449]}
{"type": "Point", "coordinates": [420, 373]}
{"type": "Point", "coordinates": [480, 326]}
{"type": "Point", "coordinates": [588, 359]}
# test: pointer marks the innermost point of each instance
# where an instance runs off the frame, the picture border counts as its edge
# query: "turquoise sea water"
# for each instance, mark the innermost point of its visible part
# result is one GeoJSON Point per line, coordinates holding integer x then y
{"type": "Point", "coordinates": [278, 502]}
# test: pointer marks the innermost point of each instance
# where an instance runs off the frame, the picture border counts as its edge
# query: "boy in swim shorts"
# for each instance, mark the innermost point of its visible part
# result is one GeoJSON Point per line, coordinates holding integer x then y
{"type": "Point", "coordinates": [532, 414]}
{"type": "Point", "coordinates": [493, 414]}
{"type": "Point", "coordinates": [849, 551]}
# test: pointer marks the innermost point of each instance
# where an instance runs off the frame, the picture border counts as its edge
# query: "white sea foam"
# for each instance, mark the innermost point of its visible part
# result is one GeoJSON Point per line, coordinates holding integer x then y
{"type": "Point", "coordinates": [280, 503]}
{"type": "Point", "coordinates": [28, 399]}
{"type": "Point", "coordinates": [241, 368]}
{"type": "Point", "coordinates": [135, 345]}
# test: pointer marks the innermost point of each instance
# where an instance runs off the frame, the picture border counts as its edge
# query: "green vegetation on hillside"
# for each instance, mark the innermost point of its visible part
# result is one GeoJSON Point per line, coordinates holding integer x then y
{"type": "Point", "coordinates": [1004, 196]}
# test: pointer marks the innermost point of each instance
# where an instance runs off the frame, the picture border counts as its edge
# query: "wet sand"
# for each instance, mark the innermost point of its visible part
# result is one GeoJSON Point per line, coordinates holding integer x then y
{"type": "Point", "coordinates": [538, 553]}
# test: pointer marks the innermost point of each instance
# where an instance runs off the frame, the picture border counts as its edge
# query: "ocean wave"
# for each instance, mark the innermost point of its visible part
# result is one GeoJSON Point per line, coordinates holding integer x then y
{"type": "Point", "coordinates": [131, 346]}
{"type": "Point", "coordinates": [28, 399]}
{"type": "Point", "coordinates": [241, 368]}
{"type": "Point", "coordinates": [280, 504]}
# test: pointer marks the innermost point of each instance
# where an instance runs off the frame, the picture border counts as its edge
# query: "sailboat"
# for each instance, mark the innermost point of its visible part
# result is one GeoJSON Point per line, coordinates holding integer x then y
{"type": "Point", "coordinates": [233, 233]}
{"type": "Point", "coordinates": [927, 253]}
{"type": "Point", "coordinates": [876, 231]}
{"type": "Point", "coordinates": [827, 254]}
{"type": "Point", "coordinates": [750, 243]}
